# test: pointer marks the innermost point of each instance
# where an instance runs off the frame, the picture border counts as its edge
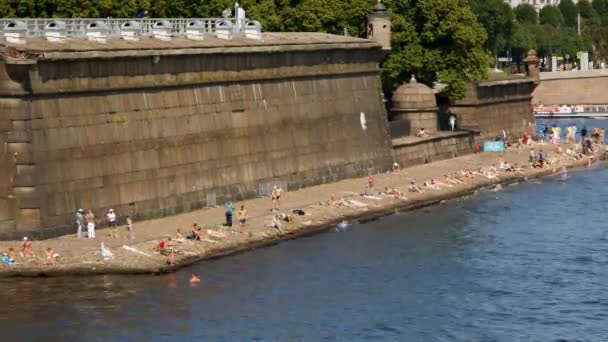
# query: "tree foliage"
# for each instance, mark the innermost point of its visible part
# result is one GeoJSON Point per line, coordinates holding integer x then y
{"type": "Point", "coordinates": [437, 40]}
{"type": "Point", "coordinates": [526, 14]}
{"type": "Point", "coordinates": [551, 15]}
{"type": "Point", "coordinates": [569, 12]}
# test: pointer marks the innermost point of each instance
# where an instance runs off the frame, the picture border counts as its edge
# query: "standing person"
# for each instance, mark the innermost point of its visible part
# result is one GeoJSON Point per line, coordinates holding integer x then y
{"type": "Point", "coordinates": [79, 222]}
{"type": "Point", "coordinates": [89, 218]}
{"type": "Point", "coordinates": [276, 197]}
{"type": "Point", "coordinates": [583, 134]}
{"type": "Point", "coordinates": [242, 216]}
{"type": "Point", "coordinates": [370, 184]}
{"type": "Point", "coordinates": [452, 120]}
{"type": "Point", "coordinates": [273, 195]}
{"type": "Point", "coordinates": [111, 218]}
{"type": "Point", "coordinates": [130, 228]}
{"type": "Point", "coordinates": [228, 210]}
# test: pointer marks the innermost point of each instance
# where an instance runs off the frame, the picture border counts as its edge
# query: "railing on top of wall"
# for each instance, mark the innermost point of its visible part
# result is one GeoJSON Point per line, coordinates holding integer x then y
{"type": "Point", "coordinates": [79, 27]}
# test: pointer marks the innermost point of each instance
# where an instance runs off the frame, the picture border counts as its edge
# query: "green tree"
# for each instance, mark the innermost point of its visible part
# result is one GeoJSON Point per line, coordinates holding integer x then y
{"type": "Point", "coordinates": [437, 40]}
{"type": "Point", "coordinates": [6, 10]}
{"type": "Point", "coordinates": [497, 18]}
{"type": "Point", "coordinates": [585, 9]}
{"type": "Point", "coordinates": [601, 8]}
{"type": "Point", "coordinates": [550, 15]}
{"type": "Point", "coordinates": [526, 14]}
{"type": "Point", "coordinates": [569, 12]}
{"type": "Point", "coordinates": [524, 39]}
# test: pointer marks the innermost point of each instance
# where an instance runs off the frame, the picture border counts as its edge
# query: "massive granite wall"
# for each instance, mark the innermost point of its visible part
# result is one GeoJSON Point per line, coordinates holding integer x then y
{"type": "Point", "coordinates": [155, 133]}
{"type": "Point", "coordinates": [490, 107]}
{"type": "Point", "coordinates": [575, 87]}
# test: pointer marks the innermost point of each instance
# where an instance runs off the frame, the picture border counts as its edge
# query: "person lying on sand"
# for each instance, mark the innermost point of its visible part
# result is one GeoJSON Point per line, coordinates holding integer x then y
{"type": "Point", "coordinates": [392, 192]}
{"type": "Point", "coordinates": [275, 223]}
{"type": "Point", "coordinates": [439, 183]}
{"type": "Point", "coordinates": [429, 185]}
{"type": "Point", "coordinates": [331, 202]}
{"type": "Point", "coordinates": [285, 217]}
{"type": "Point", "coordinates": [5, 259]}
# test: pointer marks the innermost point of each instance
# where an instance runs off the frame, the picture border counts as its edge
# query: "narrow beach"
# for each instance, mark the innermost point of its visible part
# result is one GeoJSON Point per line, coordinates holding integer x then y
{"type": "Point", "coordinates": [81, 257]}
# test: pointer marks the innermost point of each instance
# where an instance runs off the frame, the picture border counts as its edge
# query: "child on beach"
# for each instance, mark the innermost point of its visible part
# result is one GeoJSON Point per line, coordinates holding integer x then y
{"type": "Point", "coordinates": [242, 216]}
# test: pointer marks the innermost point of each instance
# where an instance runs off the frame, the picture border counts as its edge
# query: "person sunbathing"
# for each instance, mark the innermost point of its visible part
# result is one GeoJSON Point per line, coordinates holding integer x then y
{"type": "Point", "coordinates": [331, 202]}
{"type": "Point", "coordinates": [392, 192]}
{"type": "Point", "coordinates": [26, 249]}
{"type": "Point", "coordinates": [439, 183]}
{"type": "Point", "coordinates": [161, 247]}
{"type": "Point", "coordinates": [285, 217]}
{"type": "Point", "coordinates": [195, 233]}
{"type": "Point", "coordinates": [429, 185]}
{"type": "Point", "coordinates": [12, 253]}
{"type": "Point", "coordinates": [6, 260]}
{"type": "Point", "coordinates": [413, 187]}
{"type": "Point", "coordinates": [178, 236]}
{"type": "Point", "coordinates": [421, 133]}
{"type": "Point", "coordinates": [51, 257]}
{"type": "Point", "coordinates": [276, 223]}
{"type": "Point", "coordinates": [105, 252]}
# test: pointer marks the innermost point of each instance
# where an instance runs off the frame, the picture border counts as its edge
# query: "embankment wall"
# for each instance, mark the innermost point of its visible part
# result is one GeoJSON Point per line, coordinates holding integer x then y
{"type": "Point", "coordinates": [490, 107]}
{"type": "Point", "coordinates": [572, 88]}
{"type": "Point", "coordinates": [155, 135]}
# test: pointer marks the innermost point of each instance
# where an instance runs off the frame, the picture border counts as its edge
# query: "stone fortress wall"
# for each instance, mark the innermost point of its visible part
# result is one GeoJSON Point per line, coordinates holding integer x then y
{"type": "Point", "coordinates": [156, 131]}
{"type": "Point", "coordinates": [571, 88]}
{"type": "Point", "coordinates": [490, 107]}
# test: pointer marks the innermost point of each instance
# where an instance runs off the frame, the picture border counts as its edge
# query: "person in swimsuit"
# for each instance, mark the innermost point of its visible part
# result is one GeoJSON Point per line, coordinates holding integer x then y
{"type": "Point", "coordinates": [90, 220]}
{"type": "Point", "coordinates": [242, 216]}
{"type": "Point", "coordinates": [276, 197]}
{"type": "Point", "coordinates": [26, 249]}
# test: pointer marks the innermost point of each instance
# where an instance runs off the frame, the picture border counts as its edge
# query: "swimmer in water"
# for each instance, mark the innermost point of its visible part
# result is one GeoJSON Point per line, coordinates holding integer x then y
{"type": "Point", "coordinates": [194, 279]}
{"type": "Point", "coordinates": [564, 173]}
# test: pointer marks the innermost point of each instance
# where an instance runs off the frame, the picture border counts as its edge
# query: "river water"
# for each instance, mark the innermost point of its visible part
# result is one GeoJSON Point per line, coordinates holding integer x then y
{"type": "Point", "coordinates": [526, 263]}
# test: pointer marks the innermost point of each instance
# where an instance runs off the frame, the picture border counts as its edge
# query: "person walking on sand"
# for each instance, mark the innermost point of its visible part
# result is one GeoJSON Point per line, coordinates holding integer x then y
{"type": "Point", "coordinates": [79, 219]}
{"type": "Point", "coordinates": [228, 210]}
{"type": "Point", "coordinates": [242, 216]}
{"type": "Point", "coordinates": [111, 218]}
{"type": "Point", "coordinates": [89, 218]}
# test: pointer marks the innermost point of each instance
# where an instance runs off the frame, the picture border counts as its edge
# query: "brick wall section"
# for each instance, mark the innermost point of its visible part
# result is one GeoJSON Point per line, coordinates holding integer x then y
{"type": "Point", "coordinates": [588, 90]}
{"type": "Point", "coordinates": [157, 136]}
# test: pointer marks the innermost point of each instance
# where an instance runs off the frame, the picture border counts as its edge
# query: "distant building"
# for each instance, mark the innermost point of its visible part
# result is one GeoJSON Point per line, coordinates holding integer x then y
{"type": "Point", "coordinates": [538, 4]}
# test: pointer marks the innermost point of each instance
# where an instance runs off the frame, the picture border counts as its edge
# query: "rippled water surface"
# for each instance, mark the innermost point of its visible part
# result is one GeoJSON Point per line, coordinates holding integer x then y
{"type": "Point", "coordinates": [527, 263]}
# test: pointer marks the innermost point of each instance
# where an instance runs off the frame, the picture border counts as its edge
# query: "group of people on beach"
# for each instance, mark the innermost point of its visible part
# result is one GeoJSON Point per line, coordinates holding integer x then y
{"type": "Point", "coordinates": [88, 219]}
{"type": "Point", "coordinates": [26, 253]}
